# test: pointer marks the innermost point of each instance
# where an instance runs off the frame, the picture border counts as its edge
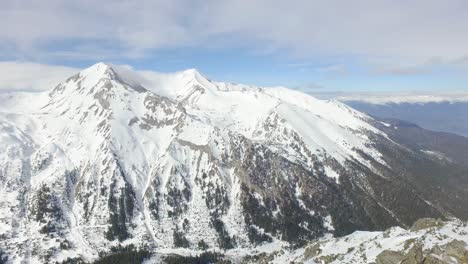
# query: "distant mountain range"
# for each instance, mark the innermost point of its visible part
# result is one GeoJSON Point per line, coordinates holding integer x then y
{"type": "Point", "coordinates": [447, 113]}
{"type": "Point", "coordinates": [104, 164]}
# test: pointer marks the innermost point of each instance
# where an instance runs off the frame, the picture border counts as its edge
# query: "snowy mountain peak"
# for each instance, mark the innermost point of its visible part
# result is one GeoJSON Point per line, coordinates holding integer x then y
{"type": "Point", "coordinates": [194, 78]}
{"type": "Point", "coordinates": [102, 71]}
{"type": "Point", "coordinates": [195, 75]}
{"type": "Point", "coordinates": [99, 68]}
{"type": "Point", "coordinates": [99, 76]}
{"type": "Point", "coordinates": [192, 72]}
{"type": "Point", "coordinates": [108, 70]}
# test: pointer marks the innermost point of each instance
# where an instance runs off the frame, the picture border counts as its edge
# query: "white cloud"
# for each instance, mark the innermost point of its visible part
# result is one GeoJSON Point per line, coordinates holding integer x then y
{"type": "Point", "coordinates": [334, 71]}
{"type": "Point", "coordinates": [18, 76]}
{"type": "Point", "coordinates": [27, 76]}
{"type": "Point", "coordinates": [310, 87]}
{"type": "Point", "coordinates": [414, 31]}
{"type": "Point", "coordinates": [398, 98]}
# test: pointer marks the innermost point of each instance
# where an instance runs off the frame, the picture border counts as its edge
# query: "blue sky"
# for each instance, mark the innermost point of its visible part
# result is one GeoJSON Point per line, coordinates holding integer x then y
{"type": "Point", "coordinates": [314, 46]}
{"type": "Point", "coordinates": [315, 74]}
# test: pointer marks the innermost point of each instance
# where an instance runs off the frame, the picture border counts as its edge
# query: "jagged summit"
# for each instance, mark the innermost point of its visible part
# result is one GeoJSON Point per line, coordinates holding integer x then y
{"type": "Point", "coordinates": [108, 70]}
{"type": "Point", "coordinates": [173, 85]}
{"type": "Point", "coordinates": [97, 72]}
{"type": "Point", "coordinates": [99, 81]}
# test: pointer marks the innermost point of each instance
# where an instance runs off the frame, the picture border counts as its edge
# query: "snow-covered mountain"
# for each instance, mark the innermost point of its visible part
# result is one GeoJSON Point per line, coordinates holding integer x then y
{"type": "Point", "coordinates": [109, 158]}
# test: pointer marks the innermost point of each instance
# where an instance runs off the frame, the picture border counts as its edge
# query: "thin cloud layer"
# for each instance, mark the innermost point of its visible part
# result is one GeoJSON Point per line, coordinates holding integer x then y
{"type": "Point", "coordinates": [37, 77]}
{"type": "Point", "coordinates": [27, 76]}
{"type": "Point", "coordinates": [414, 31]}
{"type": "Point", "coordinates": [398, 98]}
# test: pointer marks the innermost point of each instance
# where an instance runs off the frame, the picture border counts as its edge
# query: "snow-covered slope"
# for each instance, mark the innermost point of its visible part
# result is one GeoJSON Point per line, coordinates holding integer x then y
{"type": "Point", "coordinates": [109, 157]}
{"type": "Point", "coordinates": [428, 241]}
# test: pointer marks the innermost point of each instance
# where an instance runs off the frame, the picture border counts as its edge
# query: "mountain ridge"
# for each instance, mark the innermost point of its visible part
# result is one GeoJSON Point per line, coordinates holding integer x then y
{"type": "Point", "coordinates": [104, 160]}
{"type": "Point", "coordinates": [438, 116]}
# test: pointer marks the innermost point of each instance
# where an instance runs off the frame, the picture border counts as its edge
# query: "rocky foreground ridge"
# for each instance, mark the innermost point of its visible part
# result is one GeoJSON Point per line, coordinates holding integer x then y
{"type": "Point", "coordinates": [428, 241]}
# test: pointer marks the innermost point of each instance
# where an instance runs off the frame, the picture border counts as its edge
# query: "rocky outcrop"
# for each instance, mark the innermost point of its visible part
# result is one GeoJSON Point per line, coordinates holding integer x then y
{"type": "Point", "coordinates": [455, 251]}
{"type": "Point", "coordinates": [436, 242]}
{"type": "Point", "coordinates": [426, 223]}
{"type": "Point", "coordinates": [389, 257]}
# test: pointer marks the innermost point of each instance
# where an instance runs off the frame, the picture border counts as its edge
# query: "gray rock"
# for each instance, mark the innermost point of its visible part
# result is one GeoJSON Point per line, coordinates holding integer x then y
{"type": "Point", "coordinates": [414, 255]}
{"type": "Point", "coordinates": [425, 223]}
{"type": "Point", "coordinates": [389, 257]}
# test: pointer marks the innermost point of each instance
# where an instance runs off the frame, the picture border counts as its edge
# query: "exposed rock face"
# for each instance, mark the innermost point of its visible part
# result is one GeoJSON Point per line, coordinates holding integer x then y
{"type": "Point", "coordinates": [455, 251]}
{"type": "Point", "coordinates": [426, 223]}
{"type": "Point", "coordinates": [102, 160]}
{"type": "Point", "coordinates": [389, 257]}
{"type": "Point", "coordinates": [442, 244]}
